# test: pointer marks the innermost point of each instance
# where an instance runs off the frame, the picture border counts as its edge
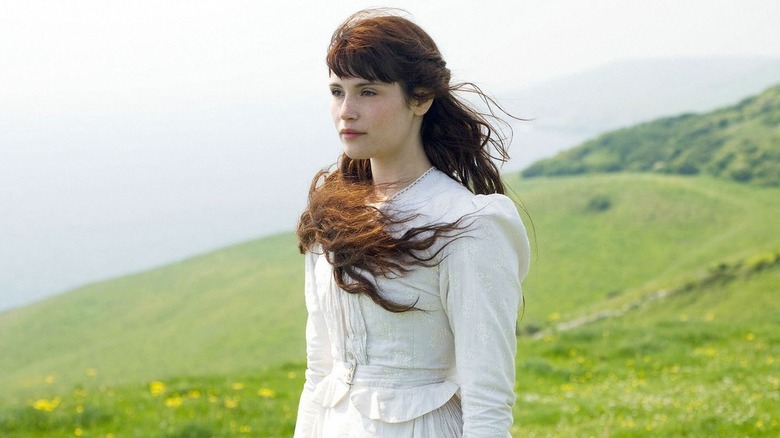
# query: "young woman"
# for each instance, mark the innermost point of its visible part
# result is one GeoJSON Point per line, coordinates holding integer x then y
{"type": "Point", "coordinates": [414, 257]}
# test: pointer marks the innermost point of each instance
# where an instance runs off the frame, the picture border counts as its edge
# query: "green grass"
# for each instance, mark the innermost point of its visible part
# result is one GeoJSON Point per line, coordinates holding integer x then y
{"type": "Point", "coordinates": [223, 332]}
{"type": "Point", "coordinates": [702, 363]}
{"type": "Point", "coordinates": [658, 231]}
{"type": "Point", "coordinates": [229, 311]}
{"type": "Point", "coordinates": [263, 403]}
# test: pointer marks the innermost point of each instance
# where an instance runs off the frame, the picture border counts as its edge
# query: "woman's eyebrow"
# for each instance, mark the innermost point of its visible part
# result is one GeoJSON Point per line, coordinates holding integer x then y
{"type": "Point", "coordinates": [359, 84]}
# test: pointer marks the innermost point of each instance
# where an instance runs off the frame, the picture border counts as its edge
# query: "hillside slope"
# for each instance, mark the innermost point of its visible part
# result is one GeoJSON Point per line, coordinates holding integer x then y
{"type": "Point", "coordinates": [235, 309]}
{"type": "Point", "coordinates": [739, 142]}
{"type": "Point", "coordinates": [599, 241]}
{"type": "Point", "coordinates": [700, 363]}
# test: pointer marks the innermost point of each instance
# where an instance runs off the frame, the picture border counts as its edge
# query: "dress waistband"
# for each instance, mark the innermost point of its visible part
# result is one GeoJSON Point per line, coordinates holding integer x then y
{"type": "Point", "coordinates": [391, 381]}
{"type": "Point", "coordinates": [379, 375]}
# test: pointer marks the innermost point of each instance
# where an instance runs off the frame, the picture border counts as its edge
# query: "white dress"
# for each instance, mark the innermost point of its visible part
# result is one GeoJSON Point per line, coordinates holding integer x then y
{"type": "Point", "coordinates": [445, 371]}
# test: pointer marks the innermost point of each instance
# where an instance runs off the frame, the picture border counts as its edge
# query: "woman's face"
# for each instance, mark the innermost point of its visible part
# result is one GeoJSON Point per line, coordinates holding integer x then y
{"type": "Point", "coordinates": [373, 119]}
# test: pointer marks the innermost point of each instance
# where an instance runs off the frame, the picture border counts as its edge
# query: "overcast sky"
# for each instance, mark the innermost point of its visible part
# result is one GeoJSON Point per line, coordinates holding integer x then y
{"type": "Point", "coordinates": [71, 55]}
{"type": "Point", "coordinates": [136, 132]}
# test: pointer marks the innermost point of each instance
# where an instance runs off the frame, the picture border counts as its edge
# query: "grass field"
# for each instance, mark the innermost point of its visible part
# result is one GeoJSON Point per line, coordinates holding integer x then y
{"type": "Point", "coordinates": [213, 346]}
{"type": "Point", "coordinates": [701, 363]}
{"type": "Point", "coordinates": [229, 311]}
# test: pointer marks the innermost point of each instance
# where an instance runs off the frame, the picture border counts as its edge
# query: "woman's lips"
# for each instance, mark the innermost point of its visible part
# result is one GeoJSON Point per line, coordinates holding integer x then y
{"type": "Point", "coordinates": [349, 134]}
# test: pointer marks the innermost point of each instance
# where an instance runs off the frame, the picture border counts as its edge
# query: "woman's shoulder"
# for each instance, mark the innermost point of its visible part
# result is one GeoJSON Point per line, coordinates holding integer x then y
{"type": "Point", "coordinates": [444, 194]}
{"type": "Point", "coordinates": [490, 224]}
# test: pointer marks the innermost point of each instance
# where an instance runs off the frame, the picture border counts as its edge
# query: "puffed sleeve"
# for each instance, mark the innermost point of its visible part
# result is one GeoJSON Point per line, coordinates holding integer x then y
{"type": "Point", "coordinates": [481, 291]}
{"type": "Point", "coordinates": [318, 357]}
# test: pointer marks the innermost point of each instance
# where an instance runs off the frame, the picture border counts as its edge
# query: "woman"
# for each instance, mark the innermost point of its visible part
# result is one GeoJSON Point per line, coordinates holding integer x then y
{"type": "Point", "coordinates": [414, 257]}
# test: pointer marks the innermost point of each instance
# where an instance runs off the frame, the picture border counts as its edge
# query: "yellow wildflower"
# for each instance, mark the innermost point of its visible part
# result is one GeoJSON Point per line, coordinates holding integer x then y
{"type": "Point", "coordinates": [156, 388]}
{"type": "Point", "coordinates": [231, 402]}
{"type": "Point", "coordinates": [174, 401]}
{"type": "Point", "coordinates": [266, 393]}
{"type": "Point", "coordinates": [568, 387]}
{"type": "Point", "coordinates": [46, 405]}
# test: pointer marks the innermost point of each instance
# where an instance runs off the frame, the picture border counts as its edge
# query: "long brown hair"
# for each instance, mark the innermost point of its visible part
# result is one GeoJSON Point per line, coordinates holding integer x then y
{"type": "Point", "coordinates": [340, 218]}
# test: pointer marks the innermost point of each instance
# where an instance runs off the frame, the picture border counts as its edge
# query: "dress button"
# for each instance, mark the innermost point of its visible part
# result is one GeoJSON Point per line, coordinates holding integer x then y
{"type": "Point", "coordinates": [349, 374]}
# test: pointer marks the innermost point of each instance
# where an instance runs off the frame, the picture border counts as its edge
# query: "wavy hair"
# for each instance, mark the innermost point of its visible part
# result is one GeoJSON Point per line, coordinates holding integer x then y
{"type": "Point", "coordinates": [340, 218]}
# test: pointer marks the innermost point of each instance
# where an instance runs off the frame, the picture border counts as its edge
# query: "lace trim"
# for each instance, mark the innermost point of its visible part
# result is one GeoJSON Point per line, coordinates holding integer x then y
{"type": "Point", "coordinates": [407, 188]}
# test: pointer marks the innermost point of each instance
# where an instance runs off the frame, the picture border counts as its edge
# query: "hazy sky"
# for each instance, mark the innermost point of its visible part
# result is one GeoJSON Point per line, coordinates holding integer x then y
{"type": "Point", "coordinates": [88, 54]}
{"type": "Point", "coordinates": [137, 132]}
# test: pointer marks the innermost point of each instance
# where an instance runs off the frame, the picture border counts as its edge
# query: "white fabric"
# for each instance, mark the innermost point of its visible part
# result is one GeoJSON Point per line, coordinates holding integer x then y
{"type": "Point", "coordinates": [446, 371]}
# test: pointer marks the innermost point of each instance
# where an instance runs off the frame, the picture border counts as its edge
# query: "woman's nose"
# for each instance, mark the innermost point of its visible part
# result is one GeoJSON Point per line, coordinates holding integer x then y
{"type": "Point", "coordinates": [347, 110]}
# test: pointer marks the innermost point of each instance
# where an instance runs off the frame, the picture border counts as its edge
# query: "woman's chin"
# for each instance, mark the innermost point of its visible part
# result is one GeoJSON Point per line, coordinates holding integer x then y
{"type": "Point", "coordinates": [356, 154]}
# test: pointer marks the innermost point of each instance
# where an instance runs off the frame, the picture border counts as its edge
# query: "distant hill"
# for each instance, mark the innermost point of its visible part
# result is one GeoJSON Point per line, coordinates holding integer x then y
{"type": "Point", "coordinates": [599, 241]}
{"type": "Point", "coordinates": [570, 110]}
{"type": "Point", "coordinates": [739, 142]}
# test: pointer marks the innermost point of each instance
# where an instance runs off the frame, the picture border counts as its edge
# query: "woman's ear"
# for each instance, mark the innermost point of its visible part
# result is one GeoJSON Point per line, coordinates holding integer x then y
{"type": "Point", "coordinates": [420, 107]}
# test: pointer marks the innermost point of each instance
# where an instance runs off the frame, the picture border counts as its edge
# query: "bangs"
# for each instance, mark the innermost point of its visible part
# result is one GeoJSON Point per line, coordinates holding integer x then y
{"type": "Point", "coordinates": [352, 58]}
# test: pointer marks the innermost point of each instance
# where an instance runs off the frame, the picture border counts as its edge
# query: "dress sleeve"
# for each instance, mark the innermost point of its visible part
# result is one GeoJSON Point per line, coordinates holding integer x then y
{"type": "Point", "coordinates": [481, 291]}
{"type": "Point", "coordinates": [318, 357]}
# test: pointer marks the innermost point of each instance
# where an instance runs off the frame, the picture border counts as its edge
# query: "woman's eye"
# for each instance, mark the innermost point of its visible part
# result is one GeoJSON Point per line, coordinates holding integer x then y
{"type": "Point", "coordinates": [335, 92]}
{"type": "Point", "coordinates": [368, 93]}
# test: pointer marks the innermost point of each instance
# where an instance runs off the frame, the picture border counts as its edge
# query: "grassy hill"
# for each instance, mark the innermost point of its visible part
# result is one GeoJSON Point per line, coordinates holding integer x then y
{"type": "Point", "coordinates": [740, 142]}
{"type": "Point", "coordinates": [617, 236]}
{"type": "Point", "coordinates": [214, 345]}
{"type": "Point", "coordinates": [232, 310]}
{"type": "Point", "coordinates": [703, 362]}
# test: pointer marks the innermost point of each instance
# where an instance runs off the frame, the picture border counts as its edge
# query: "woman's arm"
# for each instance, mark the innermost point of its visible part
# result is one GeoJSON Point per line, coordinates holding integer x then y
{"type": "Point", "coordinates": [318, 358]}
{"type": "Point", "coordinates": [482, 272]}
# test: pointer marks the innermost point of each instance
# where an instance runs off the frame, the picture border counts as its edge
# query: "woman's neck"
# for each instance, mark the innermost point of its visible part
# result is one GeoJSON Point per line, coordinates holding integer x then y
{"type": "Point", "coordinates": [389, 178]}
